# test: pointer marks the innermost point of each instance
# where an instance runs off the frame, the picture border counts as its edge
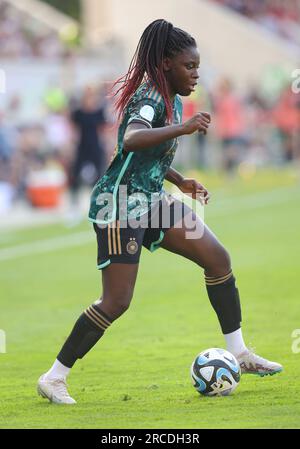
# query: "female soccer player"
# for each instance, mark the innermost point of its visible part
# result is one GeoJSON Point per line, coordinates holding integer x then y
{"type": "Point", "coordinates": [129, 206]}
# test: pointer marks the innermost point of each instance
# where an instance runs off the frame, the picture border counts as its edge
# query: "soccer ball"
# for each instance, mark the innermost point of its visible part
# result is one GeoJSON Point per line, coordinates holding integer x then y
{"type": "Point", "coordinates": [215, 372]}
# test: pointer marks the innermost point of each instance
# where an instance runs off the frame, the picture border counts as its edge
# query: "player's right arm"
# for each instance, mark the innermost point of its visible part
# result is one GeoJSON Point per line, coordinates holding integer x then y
{"type": "Point", "coordinates": [139, 136]}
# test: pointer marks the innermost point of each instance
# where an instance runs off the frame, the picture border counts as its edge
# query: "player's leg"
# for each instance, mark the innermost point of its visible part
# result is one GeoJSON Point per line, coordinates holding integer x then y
{"type": "Point", "coordinates": [119, 249]}
{"type": "Point", "coordinates": [118, 282]}
{"type": "Point", "coordinates": [207, 252]}
{"type": "Point", "coordinates": [210, 254]}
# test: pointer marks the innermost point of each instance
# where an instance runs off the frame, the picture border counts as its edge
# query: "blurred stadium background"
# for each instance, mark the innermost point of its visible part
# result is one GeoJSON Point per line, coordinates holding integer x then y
{"type": "Point", "coordinates": [57, 62]}
{"type": "Point", "coordinates": [54, 54]}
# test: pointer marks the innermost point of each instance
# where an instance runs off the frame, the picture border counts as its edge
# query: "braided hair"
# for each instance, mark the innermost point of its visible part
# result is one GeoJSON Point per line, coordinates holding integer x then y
{"type": "Point", "coordinates": [159, 40]}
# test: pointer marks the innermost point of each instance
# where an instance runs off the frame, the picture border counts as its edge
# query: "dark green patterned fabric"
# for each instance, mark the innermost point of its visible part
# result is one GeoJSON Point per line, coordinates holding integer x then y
{"type": "Point", "coordinates": [140, 172]}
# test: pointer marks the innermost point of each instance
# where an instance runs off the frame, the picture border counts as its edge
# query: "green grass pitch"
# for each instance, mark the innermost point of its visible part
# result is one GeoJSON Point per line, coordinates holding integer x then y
{"type": "Point", "coordinates": [138, 374]}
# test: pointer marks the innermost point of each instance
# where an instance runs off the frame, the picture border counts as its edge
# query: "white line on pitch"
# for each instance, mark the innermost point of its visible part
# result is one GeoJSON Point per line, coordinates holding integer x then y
{"type": "Point", "coordinates": [47, 245]}
{"type": "Point", "coordinates": [250, 202]}
{"type": "Point", "coordinates": [254, 201]}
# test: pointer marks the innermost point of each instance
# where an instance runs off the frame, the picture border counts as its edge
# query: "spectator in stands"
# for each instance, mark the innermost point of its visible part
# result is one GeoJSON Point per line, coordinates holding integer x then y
{"type": "Point", "coordinates": [279, 16]}
{"type": "Point", "coordinates": [90, 158]}
{"type": "Point", "coordinates": [229, 122]}
{"type": "Point", "coordinates": [286, 117]}
{"type": "Point", "coordinates": [22, 36]}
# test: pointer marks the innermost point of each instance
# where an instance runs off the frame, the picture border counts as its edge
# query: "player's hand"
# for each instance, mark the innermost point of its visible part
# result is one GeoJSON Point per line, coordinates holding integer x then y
{"type": "Point", "coordinates": [199, 122]}
{"type": "Point", "coordinates": [198, 191]}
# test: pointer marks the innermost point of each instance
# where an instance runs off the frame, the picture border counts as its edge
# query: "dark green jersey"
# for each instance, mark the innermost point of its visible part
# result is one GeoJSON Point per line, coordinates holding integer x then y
{"type": "Point", "coordinates": [139, 174]}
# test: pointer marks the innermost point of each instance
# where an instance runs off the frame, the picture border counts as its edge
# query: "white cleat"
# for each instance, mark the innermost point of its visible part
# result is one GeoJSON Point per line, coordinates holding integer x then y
{"type": "Point", "coordinates": [251, 363]}
{"type": "Point", "coordinates": [55, 390]}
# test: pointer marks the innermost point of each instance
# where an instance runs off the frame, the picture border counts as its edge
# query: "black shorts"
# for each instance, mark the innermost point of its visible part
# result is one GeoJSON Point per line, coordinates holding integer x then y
{"type": "Point", "coordinates": [119, 242]}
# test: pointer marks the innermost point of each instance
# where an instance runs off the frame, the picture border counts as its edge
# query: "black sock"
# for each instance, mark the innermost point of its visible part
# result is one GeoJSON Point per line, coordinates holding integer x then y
{"type": "Point", "coordinates": [224, 297]}
{"type": "Point", "coordinates": [88, 329]}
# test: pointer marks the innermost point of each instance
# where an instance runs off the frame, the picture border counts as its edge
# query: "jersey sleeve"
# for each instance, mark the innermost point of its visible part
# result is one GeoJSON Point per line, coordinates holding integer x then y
{"type": "Point", "coordinates": [147, 109]}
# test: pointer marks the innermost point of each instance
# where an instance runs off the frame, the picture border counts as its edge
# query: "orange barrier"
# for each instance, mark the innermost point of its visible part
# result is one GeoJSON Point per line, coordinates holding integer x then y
{"type": "Point", "coordinates": [44, 196]}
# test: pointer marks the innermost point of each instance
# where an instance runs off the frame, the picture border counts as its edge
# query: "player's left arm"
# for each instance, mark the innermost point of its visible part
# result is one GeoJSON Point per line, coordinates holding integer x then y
{"type": "Point", "coordinates": [187, 185]}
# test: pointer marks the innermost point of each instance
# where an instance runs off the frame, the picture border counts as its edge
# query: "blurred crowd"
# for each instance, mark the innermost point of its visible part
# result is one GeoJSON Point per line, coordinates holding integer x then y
{"type": "Point", "coordinates": [252, 127]}
{"type": "Point", "coordinates": [74, 140]}
{"type": "Point", "coordinates": [279, 16]}
{"type": "Point", "coordinates": [21, 36]}
{"type": "Point", "coordinates": [69, 146]}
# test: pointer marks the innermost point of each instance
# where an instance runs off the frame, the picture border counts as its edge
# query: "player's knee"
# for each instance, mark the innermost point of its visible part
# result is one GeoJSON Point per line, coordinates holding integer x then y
{"type": "Point", "coordinates": [220, 265]}
{"type": "Point", "coordinates": [122, 304]}
{"type": "Point", "coordinates": [118, 304]}
{"type": "Point", "coordinates": [225, 260]}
